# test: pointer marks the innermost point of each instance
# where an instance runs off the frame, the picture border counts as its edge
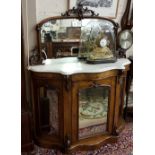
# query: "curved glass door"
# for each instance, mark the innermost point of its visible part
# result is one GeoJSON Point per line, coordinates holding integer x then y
{"type": "Point", "coordinates": [93, 111]}
{"type": "Point", "coordinates": [49, 121]}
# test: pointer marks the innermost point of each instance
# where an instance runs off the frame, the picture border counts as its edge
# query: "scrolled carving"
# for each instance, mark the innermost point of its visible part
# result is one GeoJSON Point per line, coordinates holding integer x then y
{"type": "Point", "coordinates": [80, 11]}
{"type": "Point", "coordinates": [94, 84]}
{"type": "Point", "coordinates": [116, 26]}
{"type": "Point", "coordinates": [35, 57]}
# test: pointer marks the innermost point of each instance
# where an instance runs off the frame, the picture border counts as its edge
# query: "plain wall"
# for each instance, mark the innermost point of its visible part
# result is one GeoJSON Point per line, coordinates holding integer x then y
{"type": "Point", "coordinates": [29, 22]}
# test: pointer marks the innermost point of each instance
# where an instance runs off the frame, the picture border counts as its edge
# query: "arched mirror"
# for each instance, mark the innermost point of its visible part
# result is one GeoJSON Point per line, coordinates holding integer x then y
{"type": "Point", "coordinates": [79, 32]}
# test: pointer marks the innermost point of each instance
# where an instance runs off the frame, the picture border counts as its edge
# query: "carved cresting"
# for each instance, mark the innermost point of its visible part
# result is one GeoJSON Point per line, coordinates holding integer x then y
{"type": "Point", "coordinates": [80, 11]}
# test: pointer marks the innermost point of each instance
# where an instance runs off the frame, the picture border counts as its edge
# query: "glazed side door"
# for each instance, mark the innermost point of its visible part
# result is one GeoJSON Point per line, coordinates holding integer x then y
{"type": "Point", "coordinates": [93, 104]}
{"type": "Point", "coordinates": [48, 112]}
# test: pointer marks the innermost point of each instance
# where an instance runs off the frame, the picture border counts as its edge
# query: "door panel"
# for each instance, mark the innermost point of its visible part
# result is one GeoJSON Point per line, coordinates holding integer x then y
{"type": "Point", "coordinates": [92, 108]}
{"type": "Point", "coordinates": [48, 109]}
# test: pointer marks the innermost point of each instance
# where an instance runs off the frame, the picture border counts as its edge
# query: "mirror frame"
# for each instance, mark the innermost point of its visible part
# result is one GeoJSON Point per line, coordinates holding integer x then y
{"type": "Point", "coordinates": [79, 13]}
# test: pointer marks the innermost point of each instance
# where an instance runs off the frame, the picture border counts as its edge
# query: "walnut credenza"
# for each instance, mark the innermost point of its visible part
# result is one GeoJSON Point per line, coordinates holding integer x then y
{"type": "Point", "coordinates": [77, 106]}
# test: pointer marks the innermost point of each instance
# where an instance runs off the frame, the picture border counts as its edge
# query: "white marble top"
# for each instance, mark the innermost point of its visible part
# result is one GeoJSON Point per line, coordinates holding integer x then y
{"type": "Point", "coordinates": [69, 66]}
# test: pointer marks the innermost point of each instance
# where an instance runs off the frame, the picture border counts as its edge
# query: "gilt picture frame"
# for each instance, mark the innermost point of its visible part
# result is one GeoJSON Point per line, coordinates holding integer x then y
{"type": "Point", "coordinates": [105, 8]}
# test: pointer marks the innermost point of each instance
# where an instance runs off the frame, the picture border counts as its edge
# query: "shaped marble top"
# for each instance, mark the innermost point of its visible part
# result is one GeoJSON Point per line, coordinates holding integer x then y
{"type": "Point", "coordinates": [71, 65]}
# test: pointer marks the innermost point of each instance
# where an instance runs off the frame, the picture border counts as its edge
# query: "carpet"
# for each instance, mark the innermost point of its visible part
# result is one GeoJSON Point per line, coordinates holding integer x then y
{"type": "Point", "coordinates": [124, 146]}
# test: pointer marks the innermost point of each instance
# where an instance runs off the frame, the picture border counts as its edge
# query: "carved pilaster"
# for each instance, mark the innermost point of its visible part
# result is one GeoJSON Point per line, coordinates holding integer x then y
{"type": "Point", "coordinates": [67, 82]}
{"type": "Point", "coordinates": [119, 77]}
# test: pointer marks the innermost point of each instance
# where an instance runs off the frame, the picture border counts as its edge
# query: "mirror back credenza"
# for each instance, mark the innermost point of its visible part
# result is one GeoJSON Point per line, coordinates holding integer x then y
{"type": "Point", "coordinates": [77, 82]}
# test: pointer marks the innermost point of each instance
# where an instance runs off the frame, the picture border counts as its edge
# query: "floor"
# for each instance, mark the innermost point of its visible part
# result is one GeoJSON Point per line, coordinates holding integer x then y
{"type": "Point", "coordinates": [124, 146]}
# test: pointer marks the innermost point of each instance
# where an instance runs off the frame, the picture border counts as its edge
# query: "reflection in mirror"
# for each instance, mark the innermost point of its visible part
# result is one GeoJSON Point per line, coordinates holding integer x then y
{"type": "Point", "coordinates": [60, 30]}
{"type": "Point", "coordinates": [65, 37]}
{"type": "Point", "coordinates": [61, 37]}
